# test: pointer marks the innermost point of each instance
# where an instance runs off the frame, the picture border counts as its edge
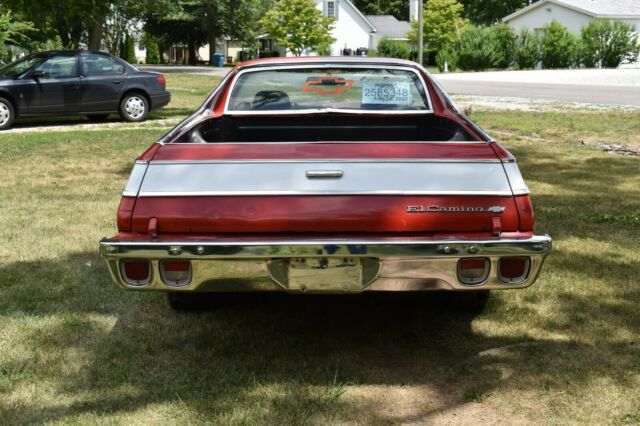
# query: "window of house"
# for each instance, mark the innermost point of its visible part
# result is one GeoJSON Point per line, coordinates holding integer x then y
{"type": "Point", "coordinates": [331, 9]}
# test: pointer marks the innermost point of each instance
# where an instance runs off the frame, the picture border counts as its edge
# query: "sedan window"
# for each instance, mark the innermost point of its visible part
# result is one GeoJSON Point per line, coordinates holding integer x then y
{"type": "Point", "coordinates": [20, 66]}
{"type": "Point", "coordinates": [59, 66]}
{"type": "Point", "coordinates": [97, 65]}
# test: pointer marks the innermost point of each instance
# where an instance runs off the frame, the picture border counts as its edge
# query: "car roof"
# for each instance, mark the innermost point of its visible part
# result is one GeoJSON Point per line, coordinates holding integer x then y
{"type": "Point", "coordinates": [338, 60]}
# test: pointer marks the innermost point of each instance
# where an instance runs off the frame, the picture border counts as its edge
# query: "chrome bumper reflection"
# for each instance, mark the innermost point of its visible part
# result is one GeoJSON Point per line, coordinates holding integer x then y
{"type": "Point", "coordinates": [388, 265]}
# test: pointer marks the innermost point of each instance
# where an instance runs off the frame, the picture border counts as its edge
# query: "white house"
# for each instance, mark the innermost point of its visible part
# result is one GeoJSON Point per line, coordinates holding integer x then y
{"type": "Point", "coordinates": [353, 30]}
{"type": "Point", "coordinates": [574, 14]}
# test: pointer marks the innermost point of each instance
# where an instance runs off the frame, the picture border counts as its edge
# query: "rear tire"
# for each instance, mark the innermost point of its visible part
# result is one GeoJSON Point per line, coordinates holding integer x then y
{"type": "Point", "coordinates": [7, 114]}
{"type": "Point", "coordinates": [134, 108]}
{"type": "Point", "coordinates": [96, 118]}
{"type": "Point", "coordinates": [187, 301]}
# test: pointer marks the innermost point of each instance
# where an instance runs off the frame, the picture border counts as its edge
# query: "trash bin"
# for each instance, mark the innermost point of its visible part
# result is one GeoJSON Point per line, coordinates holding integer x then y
{"type": "Point", "coordinates": [218, 60]}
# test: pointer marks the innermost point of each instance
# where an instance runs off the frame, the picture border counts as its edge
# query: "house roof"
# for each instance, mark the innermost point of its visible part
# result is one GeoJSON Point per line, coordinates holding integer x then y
{"type": "Point", "coordinates": [595, 8]}
{"type": "Point", "coordinates": [389, 26]}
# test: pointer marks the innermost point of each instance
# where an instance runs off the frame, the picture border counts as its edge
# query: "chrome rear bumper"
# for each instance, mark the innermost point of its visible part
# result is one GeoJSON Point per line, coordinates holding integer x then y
{"type": "Point", "coordinates": [386, 265]}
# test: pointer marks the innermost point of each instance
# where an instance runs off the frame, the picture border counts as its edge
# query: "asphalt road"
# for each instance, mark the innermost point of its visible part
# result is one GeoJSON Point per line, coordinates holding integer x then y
{"type": "Point", "coordinates": [612, 95]}
{"type": "Point", "coordinates": [610, 87]}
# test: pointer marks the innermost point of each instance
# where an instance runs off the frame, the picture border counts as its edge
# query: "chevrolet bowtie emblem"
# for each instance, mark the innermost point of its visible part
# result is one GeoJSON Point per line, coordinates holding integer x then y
{"type": "Point", "coordinates": [455, 209]}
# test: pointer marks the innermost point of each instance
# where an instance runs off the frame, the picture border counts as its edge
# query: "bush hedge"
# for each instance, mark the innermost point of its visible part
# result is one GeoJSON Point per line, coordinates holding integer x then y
{"type": "Point", "coordinates": [607, 43]}
{"type": "Point", "coordinates": [558, 47]}
{"type": "Point", "coordinates": [527, 49]}
{"type": "Point", "coordinates": [393, 48]}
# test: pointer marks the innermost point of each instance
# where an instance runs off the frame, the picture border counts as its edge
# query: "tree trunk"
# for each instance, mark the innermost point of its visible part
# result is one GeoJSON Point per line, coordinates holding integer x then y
{"type": "Point", "coordinates": [192, 52]}
{"type": "Point", "coordinates": [212, 48]}
{"type": "Point", "coordinates": [95, 36]}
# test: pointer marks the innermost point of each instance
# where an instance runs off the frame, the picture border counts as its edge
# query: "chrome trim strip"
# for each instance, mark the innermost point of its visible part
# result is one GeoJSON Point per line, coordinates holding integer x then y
{"type": "Point", "coordinates": [227, 111]}
{"type": "Point", "coordinates": [343, 142]}
{"type": "Point", "coordinates": [285, 192]}
{"type": "Point", "coordinates": [516, 182]}
{"type": "Point", "coordinates": [332, 160]}
{"type": "Point", "coordinates": [135, 179]}
{"type": "Point", "coordinates": [273, 178]}
{"type": "Point", "coordinates": [340, 246]}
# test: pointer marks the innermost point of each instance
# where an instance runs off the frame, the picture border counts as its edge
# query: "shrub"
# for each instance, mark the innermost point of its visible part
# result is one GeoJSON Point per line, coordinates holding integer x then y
{"type": "Point", "coordinates": [503, 42]}
{"type": "Point", "coordinates": [527, 49]}
{"type": "Point", "coordinates": [606, 43]}
{"type": "Point", "coordinates": [152, 51]}
{"type": "Point", "coordinates": [450, 57]}
{"type": "Point", "coordinates": [393, 48]}
{"type": "Point", "coordinates": [324, 49]}
{"type": "Point", "coordinates": [475, 49]}
{"type": "Point", "coordinates": [558, 47]}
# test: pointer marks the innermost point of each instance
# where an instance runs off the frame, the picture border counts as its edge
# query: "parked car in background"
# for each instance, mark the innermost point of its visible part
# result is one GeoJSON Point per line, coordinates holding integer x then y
{"type": "Point", "coordinates": [326, 175]}
{"type": "Point", "coordinates": [76, 82]}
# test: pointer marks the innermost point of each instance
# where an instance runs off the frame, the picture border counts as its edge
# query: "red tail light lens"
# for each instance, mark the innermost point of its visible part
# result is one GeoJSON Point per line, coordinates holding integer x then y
{"type": "Point", "coordinates": [136, 272]}
{"type": "Point", "coordinates": [162, 80]}
{"type": "Point", "coordinates": [473, 270]}
{"type": "Point", "coordinates": [513, 269]}
{"type": "Point", "coordinates": [176, 273]}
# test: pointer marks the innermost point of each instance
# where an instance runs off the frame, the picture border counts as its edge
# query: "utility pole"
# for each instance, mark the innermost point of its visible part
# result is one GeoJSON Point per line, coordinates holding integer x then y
{"type": "Point", "coordinates": [420, 31]}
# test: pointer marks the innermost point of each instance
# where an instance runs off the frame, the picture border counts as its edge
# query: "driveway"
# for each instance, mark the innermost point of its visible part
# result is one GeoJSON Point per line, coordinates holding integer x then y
{"type": "Point", "coordinates": [186, 69]}
{"type": "Point", "coordinates": [609, 86]}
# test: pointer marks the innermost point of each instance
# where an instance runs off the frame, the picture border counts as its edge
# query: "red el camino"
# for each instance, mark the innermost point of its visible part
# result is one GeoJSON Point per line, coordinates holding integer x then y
{"type": "Point", "coordinates": [326, 175]}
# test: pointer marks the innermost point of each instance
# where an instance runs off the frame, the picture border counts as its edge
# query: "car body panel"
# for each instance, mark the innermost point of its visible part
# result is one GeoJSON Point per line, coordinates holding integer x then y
{"type": "Point", "coordinates": [269, 202]}
{"type": "Point", "coordinates": [80, 94]}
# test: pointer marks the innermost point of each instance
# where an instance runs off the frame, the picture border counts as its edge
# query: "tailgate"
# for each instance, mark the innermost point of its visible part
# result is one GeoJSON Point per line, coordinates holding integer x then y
{"type": "Point", "coordinates": [324, 187]}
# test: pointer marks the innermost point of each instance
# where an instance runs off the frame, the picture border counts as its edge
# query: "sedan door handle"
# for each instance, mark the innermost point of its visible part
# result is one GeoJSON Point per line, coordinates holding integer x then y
{"type": "Point", "coordinates": [319, 174]}
{"type": "Point", "coordinates": [117, 81]}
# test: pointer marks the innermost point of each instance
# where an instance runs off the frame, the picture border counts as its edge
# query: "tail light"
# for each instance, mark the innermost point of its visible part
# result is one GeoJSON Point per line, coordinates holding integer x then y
{"type": "Point", "coordinates": [513, 269]}
{"type": "Point", "coordinates": [525, 212]}
{"type": "Point", "coordinates": [162, 80]}
{"type": "Point", "coordinates": [125, 213]}
{"type": "Point", "coordinates": [136, 272]}
{"type": "Point", "coordinates": [176, 273]}
{"type": "Point", "coordinates": [473, 270]}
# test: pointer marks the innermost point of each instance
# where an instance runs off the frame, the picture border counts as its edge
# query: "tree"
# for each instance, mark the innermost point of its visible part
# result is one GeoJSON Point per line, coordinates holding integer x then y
{"type": "Point", "coordinates": [442, 25]}
{"type": "Point", "coordinates": [71, 19]}
{"type": "Point", "coordinates": [487, 12]}
{"type": "Point", "coordinates": [559, 47]}
{"type": "Point", "coordinates": [12, 30]}
{"type": "Point", "coordinates": [297, 25]}
{"type": "Point", "coordinates": [397, 8]}
{"type": "Point", "coordinates": [606, 43]}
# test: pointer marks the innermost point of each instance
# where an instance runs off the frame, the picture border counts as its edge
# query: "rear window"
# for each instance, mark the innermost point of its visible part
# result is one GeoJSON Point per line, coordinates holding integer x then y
{"type": "Point", "coordinates": [326, 89]}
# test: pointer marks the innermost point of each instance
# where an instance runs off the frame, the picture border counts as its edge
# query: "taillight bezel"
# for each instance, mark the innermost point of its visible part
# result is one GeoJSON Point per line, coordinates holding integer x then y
{"type": "Point", "coordinates": [173, 283]}
{"type": "Point", "coordinates": [131, 282]}
{"type": "Point", "coordinates": [474, 281]}
{"type": "Point", "coordinates": [520, 278]}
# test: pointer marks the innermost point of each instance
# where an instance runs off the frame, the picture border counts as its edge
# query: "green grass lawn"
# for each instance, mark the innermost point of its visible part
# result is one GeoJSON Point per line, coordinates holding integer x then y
{"type": "Point", "coordinates": [76, 349]}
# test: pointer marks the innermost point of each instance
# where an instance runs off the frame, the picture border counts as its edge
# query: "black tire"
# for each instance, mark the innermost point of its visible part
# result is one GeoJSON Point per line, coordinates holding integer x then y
{"type": "Point", "coordinates": [474, 301]}
{"type": "Point", "coordinates": [97, 117]}
{"type": "Point", "coordinates": [7, 114]}
{"type": "Point", "coordinates": [187, 301]}
{"type": "Point", "coordinates": [134, 107]}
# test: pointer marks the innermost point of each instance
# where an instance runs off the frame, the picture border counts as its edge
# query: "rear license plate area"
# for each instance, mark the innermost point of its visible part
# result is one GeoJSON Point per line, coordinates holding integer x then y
{"type": "Point", "coordinates": [325, 274]}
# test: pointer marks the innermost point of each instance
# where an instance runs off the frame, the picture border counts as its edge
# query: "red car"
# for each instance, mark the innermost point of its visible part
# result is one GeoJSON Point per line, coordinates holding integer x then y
{"type": "Point", "coordinates": [326, 175]}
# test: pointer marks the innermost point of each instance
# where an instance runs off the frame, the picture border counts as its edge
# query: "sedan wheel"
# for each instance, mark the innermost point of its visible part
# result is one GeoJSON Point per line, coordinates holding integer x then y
{"type": "Point", "coordinates": [7, 114]}
{"type": "Point", "coordinates": [134, 107]}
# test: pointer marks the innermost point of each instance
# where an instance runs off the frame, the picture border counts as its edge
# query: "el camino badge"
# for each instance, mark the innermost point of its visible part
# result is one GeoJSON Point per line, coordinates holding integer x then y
{"type": "Point", "coordinates": [455, 209]}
